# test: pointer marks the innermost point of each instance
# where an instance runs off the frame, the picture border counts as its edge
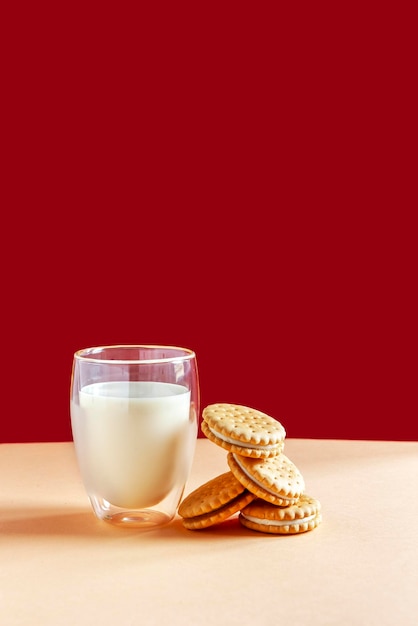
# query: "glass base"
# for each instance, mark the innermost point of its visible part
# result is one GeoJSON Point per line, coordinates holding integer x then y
{"type": "Point", "coordinates": [141, 518]}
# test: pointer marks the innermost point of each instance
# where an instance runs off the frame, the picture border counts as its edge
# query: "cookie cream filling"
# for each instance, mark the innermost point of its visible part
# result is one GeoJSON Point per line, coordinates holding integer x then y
{"type": "Point", "coordinates": [243, 444]}
{"type": "Point", "coordinates": [272, 522]}
{"type": "Point", "coordinates": [273, 493]}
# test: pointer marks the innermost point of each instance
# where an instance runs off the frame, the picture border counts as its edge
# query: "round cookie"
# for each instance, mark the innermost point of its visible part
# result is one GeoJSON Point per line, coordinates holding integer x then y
{"type": "Point", "coordinates": [275, 479]}
{"type": "Point", "coordinates": [296, 518]}
{"type": "Point", "coordinates": [243, 430]}
{"type": "Point", "coordinates": [214, 501]}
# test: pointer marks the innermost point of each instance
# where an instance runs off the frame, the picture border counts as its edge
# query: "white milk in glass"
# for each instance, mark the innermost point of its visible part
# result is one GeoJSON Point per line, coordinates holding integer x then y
{"type": "Point", "coordinates": [133, 440]}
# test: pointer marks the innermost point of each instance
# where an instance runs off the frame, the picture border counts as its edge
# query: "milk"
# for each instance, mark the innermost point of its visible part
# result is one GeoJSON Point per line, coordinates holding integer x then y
{"type": "Point", "coordinates": [133, 440]}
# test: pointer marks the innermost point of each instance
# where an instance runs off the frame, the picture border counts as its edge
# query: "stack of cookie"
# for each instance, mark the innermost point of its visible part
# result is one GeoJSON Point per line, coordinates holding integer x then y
{"type": "Point", "coordinates": [262, 484]}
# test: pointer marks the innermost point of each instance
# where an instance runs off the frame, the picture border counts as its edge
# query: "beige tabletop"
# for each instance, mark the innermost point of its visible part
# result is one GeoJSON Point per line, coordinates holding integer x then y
{"type": "Point", "coordinates": [59, 565]}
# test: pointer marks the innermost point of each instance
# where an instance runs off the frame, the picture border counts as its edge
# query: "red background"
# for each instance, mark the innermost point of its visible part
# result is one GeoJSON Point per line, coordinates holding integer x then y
{"type": "Point", "coordinates": [240, 181]}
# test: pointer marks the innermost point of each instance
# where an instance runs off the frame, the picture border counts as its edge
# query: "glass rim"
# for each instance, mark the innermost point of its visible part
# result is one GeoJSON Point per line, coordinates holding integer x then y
{"type": "Point", "coordinates": [83, 354]}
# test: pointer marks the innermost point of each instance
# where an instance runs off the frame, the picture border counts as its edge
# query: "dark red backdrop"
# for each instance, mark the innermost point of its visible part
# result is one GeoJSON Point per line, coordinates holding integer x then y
{"type": "Point", "coordinates": [235, 181]}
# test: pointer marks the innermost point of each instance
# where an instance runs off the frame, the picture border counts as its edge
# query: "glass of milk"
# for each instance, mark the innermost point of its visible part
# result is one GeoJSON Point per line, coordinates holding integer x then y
{"type": "Point", "coordinates": [134, 419]}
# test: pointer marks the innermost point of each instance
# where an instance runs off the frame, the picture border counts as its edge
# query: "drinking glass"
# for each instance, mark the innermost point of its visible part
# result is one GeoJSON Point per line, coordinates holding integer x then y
{"type": "Point", "coordinates": [134, 419]}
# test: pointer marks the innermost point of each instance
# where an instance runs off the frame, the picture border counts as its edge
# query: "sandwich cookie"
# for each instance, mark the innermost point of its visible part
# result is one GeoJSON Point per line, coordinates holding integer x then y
{"type": "Point", "coordinates": [276, 479]}
{"type": "Point", "coordinates": [289, 520]}
{"type": "Point", "coordinates": [214, 501]}
{"type": "Point", "coordinates": [243, 430]}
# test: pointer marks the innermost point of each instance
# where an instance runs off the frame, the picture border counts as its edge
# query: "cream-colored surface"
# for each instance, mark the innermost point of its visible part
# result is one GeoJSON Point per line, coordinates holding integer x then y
{"type": "Point", "coordinates": [61, 566]}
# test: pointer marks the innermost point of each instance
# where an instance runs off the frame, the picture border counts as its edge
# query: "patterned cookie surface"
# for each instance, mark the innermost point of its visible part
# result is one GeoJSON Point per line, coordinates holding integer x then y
{"type": "Point", "coordinates": [243, 430]}
{"type": "Point", "coordinates": [275, 479]}
{"type": "Point", "coordinates": [296, 518]}
{"type": "Point", "coordinates": [214, 501]}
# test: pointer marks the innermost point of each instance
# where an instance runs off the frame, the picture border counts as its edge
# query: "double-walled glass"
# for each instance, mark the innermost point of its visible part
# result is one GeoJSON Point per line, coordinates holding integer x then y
{"type": "Point", "coordinates": [134, 418]}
